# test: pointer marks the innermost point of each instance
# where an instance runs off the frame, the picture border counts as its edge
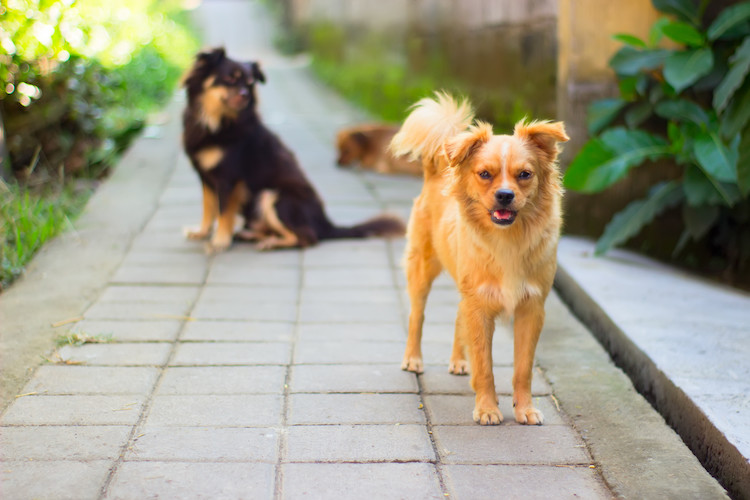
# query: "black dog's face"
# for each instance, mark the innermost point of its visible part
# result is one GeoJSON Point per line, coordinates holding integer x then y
{"type": "Point", "coordinates": [222, 87]}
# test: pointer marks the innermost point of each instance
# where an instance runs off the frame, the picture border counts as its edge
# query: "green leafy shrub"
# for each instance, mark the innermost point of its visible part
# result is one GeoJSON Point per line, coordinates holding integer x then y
{"type": "Point", "coordinates": [77, 76]}
{"type": "Point", "coordinates": [688, 105]}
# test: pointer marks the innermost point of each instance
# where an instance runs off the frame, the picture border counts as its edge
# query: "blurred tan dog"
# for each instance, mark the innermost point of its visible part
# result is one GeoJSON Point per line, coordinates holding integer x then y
{"type": "Point", "coordinates": [368, 145]}
{"type": "Point", "coordinates": [489, 213]}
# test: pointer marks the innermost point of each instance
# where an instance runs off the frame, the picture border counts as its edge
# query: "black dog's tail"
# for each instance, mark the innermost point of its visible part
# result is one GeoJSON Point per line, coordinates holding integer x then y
{"type": "Point", "coordinates": [384, 226]}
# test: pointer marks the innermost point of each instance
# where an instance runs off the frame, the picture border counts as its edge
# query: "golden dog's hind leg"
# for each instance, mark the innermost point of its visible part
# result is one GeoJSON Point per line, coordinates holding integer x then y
{"type": "Point", "coordinates": [210, 210]}
{"type": "Point", "coordinates": [529, 319]}
{"type": "Point", "coordinates": [479, 326]}
{"type": "Point", "coordinates": [422, 267]}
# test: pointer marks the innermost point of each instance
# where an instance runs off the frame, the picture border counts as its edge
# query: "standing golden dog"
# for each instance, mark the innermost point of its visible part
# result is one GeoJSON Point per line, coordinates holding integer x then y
{"type": "Point", "coordinates": [489, 213]}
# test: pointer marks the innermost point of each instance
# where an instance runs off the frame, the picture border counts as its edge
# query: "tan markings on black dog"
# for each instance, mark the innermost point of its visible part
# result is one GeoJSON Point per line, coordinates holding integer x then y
{"type": "Point", "coordinates": [209, 157]}
{"type": "Point", "coordinates": [210, 211]}
{"type": "Point", "coordinates": [490, 214]}
{"type": "Point", "coordinates": [286, 238]}
{"type": "Point", "coordinates": [222, 238]}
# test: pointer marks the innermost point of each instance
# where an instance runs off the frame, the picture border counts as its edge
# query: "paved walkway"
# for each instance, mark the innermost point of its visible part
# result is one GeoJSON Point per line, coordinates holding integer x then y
{"type": "Point", "coordinates": [276, 375]}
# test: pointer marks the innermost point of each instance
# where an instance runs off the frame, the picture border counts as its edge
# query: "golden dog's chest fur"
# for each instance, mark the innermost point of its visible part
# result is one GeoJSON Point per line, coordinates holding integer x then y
{"type": "Point", "coordinates": [489, 214]}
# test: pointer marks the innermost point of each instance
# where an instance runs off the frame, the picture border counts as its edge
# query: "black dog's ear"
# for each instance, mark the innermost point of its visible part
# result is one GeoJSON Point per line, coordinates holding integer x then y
{"type": "Point", "coordinates": [205, 62]}
{"type": "Point", "coordinates": [211, 57]}
{"type": "Point", "coordinates": [257, 73]}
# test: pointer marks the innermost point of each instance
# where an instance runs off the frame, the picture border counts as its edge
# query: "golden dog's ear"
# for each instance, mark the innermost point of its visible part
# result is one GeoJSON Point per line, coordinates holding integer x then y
{"type": "Point", "coordinates": [461, 147]}
{"type": "Point", "coordinates": [543, 137]}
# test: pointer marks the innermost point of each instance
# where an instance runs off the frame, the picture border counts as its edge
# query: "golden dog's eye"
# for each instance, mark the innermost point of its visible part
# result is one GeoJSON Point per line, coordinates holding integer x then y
{"type": "Point", "coordinates": [485, 175]}
{"type": "Point", "coordinates": [524, 175]}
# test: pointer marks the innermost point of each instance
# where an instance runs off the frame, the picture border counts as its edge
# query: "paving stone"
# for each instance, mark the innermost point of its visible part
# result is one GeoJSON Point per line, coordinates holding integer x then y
{"type": "Point", "coordinates": [355, 409]}
{"type": "Point", "coordinates": [131, 331]}
{"type": "Point", "coordinates": [61, 480]}
{"type": "Point", "coordinates": [137, 310]}
{"type": "Point", "coordinates": [334, 312]}
{"type": "Point", "coordinates": [74, 410]}
{"type": "Point", "coordinates": [347, 295]}
{"type": "Point", "coordinates": [438, 380]}
{"type": "Point", "coordinates": [457, 410]}
{"type": "Point", "coordinates": [354, 331]}
{"type": "Point", "coordinates": [284, 277]}
{"type": "Point", "coordinates": [236, 293]}
{"type": "Point", "coordinates": [345, 352]}
{"type": "Point", "coordinates": [363, 278]}
{"type": "Point", "coordinates": [240, 331]}
{"type": "Point", "coordinates": [157, 257]}
{"type": "Point", "coordinates": [358, 443]}
{"type": "Point", "coordinates": [249, 311]}
{"type": "Point", "coordinates": [358, 481]}
{"type": "Point", "coordinates": [245, 256]}
{"type": "Point", "coordinates": [484, 482]}
{"type": "Point", "coordinates": [364, 257]}
{"type": "Point", "coordinates": [439, 353]}
{"type": "Point", "coordinates": [61, 442]}
{"type": "Point", "coordinates": [205, 444]}
{"type": "Point", "coordinates": [125, 293]}
{"type": "Point", "coordinates": [70, 379]}
{"type": "Point", "coordinates": [510, 444]}
{"type": "Point", "coordinates": [352, 379]}
{"type": "Point", "coordinates": [172, 274]}
{"type": "Point", "coordinates": [231, 353]}
{"type": "Point", "coordinates": [126, 354]}
{"type": "Point", "coordinates": [215, 411]}
{"type": "Point", "coordinates": [168, 241]}
{"type": "Point", "coordinates": [223, 380]}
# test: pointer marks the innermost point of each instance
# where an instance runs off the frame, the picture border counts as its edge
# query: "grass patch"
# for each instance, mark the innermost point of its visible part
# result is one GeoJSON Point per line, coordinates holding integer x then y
{"type": "Point", "coordinates": [28, 219]}
{"type": "Point", "coordinates": [80, 338]}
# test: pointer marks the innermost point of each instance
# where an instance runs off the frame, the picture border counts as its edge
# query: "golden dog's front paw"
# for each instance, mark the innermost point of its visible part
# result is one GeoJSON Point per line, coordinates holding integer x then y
{"type": "Point", "coordinates": [528, 416]}
{"type": "Point", "coordinates": [459, 367]}
{"type": "Point", "coordinates": [192, 233]}
{"type": "Point", "coordinates": [488, 416]}
{"type": "Point", "coordinates": [412, 364]}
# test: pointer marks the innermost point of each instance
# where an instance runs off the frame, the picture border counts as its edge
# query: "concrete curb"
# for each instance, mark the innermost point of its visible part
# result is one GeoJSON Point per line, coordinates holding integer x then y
{"type": "Point", "coordinates": [720, 457]}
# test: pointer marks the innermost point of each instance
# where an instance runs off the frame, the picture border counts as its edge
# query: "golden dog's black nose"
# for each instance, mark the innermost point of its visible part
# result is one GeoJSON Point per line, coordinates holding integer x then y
{"type": "Point", "coordinates": [504, 196]}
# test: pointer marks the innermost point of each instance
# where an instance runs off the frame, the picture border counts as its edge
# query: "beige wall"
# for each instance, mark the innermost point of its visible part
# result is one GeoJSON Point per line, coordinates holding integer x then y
{"type": "Point", "coordinates": [585, 29]}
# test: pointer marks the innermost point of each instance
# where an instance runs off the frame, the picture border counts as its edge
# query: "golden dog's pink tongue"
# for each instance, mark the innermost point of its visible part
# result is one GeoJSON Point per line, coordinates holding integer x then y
{"type": "Point", "coordinates": [502, 214]}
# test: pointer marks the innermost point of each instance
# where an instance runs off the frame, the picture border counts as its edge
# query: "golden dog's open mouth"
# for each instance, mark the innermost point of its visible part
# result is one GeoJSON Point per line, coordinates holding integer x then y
{"type": "Point", "coordinates": [503, 216]}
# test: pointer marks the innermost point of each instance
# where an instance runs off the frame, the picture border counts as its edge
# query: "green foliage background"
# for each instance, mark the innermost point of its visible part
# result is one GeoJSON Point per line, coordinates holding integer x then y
{"type": "Point", "coordinates": [78, 79]}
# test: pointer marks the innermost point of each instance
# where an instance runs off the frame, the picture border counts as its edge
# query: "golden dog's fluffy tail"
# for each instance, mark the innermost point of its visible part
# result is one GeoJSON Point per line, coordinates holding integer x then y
{"type": "Point", "coordinates": [431, 122]}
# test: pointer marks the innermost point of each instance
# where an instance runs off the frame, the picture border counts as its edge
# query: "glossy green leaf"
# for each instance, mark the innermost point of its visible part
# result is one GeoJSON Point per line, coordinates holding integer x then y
{"type": "Point", "coordinates": [631, 40]}
{"type": "Point", "coordinates": [682, 110]}
{"type": "Point", "coordinates": [681, 69]}
{"type": "Point", "coordinates": [629, 61]}
{"type": "Point", "coordinates": [602, 112]}
{"type": "Point", "coordinates": [607, 159]}
{"type": "Point", "coordinates": [737, 114]}
{"type": "Point", "coordinates": [699, 219]}
{"type": "Point", "coordinates": [715, 158]}
{"type": "Point", "coordinates": [655, 34]}
{"type": "Point", "coordinates": [683, 33]}
{"type": "Point", "coordinates": [743, 163]}
{"type": "Point", "coordinates": [702, 190]}
{"type": "Point", "coordinates": [728, 19]}
{"type": "Point", "coordinates": [629, 222]}
{"type": "Point", "coordinates": [683, 9]}
{"type": "Point", "coordinates": [740, 65]}
{"type": "Point", "coordinates": [638, 113]}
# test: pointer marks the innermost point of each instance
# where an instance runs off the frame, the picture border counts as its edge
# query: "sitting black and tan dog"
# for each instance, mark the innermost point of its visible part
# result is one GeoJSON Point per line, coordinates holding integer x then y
{"type": "Point", "coordinates": [245, 169]}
